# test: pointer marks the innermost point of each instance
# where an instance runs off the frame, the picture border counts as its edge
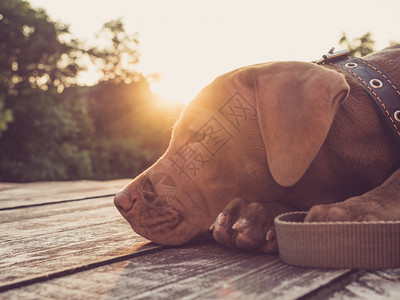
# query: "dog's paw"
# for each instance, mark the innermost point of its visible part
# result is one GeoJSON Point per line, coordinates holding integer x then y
{"type": "Point", "coordinates": [246, 226]}
{"type": "Point", "coordinates": [347, 211]}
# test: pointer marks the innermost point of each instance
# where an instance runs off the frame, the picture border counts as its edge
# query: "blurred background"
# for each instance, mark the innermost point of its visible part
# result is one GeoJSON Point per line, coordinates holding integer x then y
{"type": "Point", "coordinates": [91, 89]}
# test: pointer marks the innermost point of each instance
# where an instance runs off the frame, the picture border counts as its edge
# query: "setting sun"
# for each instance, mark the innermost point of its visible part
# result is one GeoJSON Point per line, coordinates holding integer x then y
{"type": "Point", "coordinates": [187, 90]}
{"type": "Point", "coordinates": [190, 43]}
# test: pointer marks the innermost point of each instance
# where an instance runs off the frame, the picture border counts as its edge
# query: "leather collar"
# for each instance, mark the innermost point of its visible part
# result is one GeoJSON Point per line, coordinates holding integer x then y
{"type": "Point", "coordinates": [381, 88]}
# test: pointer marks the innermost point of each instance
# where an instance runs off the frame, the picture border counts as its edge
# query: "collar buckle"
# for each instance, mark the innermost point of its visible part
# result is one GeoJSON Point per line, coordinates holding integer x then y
{"type": "Point", "coordinates": [331, 55]}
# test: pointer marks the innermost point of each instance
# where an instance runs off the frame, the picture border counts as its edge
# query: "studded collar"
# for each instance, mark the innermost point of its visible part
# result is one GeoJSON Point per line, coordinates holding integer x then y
{"type": "Point", "coordinates": [381, 88]}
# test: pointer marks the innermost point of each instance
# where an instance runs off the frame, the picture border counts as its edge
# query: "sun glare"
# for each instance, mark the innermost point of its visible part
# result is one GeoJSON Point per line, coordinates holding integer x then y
{"type": "Point", "coordinates": [189, 44]}
{"type": "Point", "coordinates": [171, 94]}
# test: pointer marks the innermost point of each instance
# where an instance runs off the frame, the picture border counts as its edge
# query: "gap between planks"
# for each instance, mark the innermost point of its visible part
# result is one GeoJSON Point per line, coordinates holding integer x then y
{"type": "Point", "coordinates": [54, 202]}
{"type": "Point", "coordinates": [75, 270]}
{"type": "Point", "coordinates": [25, 194]}
{"type": "Point", "coordinates": [337, 284]}
{"type": "Point", "coordinates": [36, 242]}
{"type": "Point", "coordinates": [197, 271]}
{"type": "Point", "coordinates": [325, 289]}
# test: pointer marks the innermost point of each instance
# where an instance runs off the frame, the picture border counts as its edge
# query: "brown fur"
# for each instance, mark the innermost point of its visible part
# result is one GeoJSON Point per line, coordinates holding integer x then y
{"type": "Point", "coordinates": [268, 139]}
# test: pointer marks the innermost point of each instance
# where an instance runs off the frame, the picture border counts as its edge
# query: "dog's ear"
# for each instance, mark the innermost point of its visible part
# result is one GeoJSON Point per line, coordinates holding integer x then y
{"type": "Point", "coordinates": [296, 104]}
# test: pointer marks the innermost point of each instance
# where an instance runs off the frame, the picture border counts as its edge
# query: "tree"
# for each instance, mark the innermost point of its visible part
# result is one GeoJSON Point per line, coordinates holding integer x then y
{"type": "Point", "coordinates": [44, 127]}
{"type": "Point", "coordinates": [48, 140]}
{"type": "Point", "coordinates": [31, 50]}
{"type": "Point", "coordinates": [31, 55]}
{"type": "Point", "coordinates": [58, 130]}
{"type": "Point", "coordinates": [116, 53]}
{"type": "Point", "coordinates": [361, 46]}
{"type": "Point", "coordinates": [131, 131]}
{"type": "Point", "coordinates": [54, 129]}
{"type": "Point", "coordinates": [6, 116]}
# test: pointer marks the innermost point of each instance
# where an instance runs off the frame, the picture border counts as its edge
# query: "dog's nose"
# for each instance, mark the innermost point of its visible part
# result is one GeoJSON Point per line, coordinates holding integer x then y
{"type": "Point", "coordinates": [123, 201]}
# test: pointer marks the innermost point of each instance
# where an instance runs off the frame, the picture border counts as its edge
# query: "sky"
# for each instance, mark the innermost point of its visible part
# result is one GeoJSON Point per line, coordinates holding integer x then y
{"type": "Point", "coordinates": [189, 43]}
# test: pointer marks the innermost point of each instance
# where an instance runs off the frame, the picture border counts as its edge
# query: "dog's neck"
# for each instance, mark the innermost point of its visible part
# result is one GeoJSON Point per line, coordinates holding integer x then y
{"type": "Point", "coordinates": [381, 88]}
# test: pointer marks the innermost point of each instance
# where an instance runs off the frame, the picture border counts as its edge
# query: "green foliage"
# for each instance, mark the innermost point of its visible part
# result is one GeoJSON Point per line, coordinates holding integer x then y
{"type": "Point", "coordinates": [361, 46]}
{"type": "Point", "coordinates": [118, 56]}
{"type": "Point", "coordinates": [52, 129]}
{"type": "Point", "coordinates": [131, 131]}
{"type": "Point", "coordinates": [48, 138]}
{"type": "Point", "coordinates": [6, 116]}
{"type": "Point", "coordinates": [31, 51]}
{"type": "Point", "coordinates": [42, 131]}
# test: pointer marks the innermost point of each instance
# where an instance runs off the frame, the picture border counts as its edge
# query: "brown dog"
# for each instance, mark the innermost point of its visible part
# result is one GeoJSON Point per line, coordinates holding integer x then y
{"type": "Point", "coordinates": [268, 139]}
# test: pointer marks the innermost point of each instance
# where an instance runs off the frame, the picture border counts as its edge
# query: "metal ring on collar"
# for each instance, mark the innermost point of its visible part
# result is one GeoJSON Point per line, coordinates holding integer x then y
{"type": "Point", "coordinates": [397, 115]}
{"type": "Point", "coordinates": [351, 65]}
{"type": "Point", "coordinates": [376, 83]}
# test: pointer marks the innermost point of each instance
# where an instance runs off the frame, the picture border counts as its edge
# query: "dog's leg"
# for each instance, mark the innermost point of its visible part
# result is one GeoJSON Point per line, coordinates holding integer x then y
{"type": "Point", "coordinates": [379, 204]}
{"type": "Point", "coordinates": [248, 225]}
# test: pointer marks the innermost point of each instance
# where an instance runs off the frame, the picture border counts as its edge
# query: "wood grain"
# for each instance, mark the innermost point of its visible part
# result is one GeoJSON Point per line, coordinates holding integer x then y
{"type": "Point", "coordinates": [40, 240]}
{"type": "Point", "coordinates": [197, 271]}
{"type": "Point", "coordinates": [66, 240]}
{"type": "Point", "coordinates": [14, 195]}
{"type": "Point", "coordinates": [384, 284]}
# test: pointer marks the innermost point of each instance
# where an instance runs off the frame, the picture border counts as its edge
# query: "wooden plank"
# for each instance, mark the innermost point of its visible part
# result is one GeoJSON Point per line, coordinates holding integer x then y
{"type": "Point", "coordinates": [374, 285]}
{"type": "Point", "coordinates": [41, 240]}
{"type": "Point", "coordinates": [22, 194]}
{"type": "Point", "coordinates": [194, 271]}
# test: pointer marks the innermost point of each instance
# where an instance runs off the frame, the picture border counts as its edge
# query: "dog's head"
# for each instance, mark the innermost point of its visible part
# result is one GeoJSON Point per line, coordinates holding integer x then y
{"type": "Point", "coordinates": [248, 134]}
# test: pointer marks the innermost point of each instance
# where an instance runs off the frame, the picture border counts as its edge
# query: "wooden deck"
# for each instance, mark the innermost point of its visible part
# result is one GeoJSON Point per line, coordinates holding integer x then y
{"type": "Point", "coordinates": [65, 240]}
